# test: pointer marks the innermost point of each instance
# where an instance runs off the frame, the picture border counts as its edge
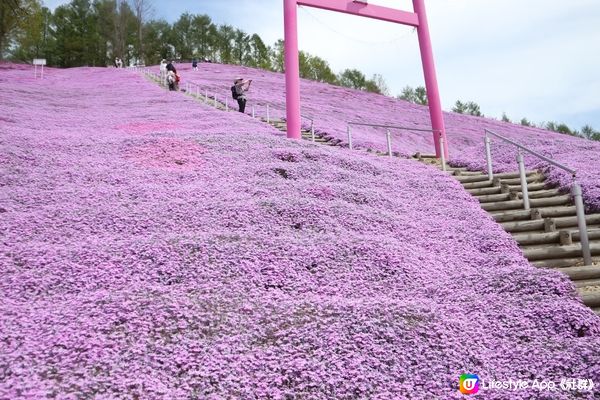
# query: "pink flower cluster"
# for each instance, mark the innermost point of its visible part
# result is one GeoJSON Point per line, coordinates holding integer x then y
{"type": "Point", "coordinates": [155, 248]}
{"type": "Point", "coordinates": [332, 107]}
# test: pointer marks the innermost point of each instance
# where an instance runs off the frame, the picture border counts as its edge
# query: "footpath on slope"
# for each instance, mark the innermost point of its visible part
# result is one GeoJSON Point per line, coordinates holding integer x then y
{"type": "Point", "coordinates": [547, 234]}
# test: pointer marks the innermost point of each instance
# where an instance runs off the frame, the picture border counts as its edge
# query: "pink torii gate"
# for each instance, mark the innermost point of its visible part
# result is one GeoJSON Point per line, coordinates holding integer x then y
{"type": "Point", "coordinates": [417, 19]}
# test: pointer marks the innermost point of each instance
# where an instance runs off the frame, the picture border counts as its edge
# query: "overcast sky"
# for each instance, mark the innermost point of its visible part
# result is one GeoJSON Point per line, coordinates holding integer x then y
{"type": "Point", "coordinates": [538, 59]}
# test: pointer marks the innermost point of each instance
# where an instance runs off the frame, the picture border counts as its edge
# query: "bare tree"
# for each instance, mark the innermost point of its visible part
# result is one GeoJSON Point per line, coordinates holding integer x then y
{"type": "Point", "coordinates": [143, 11]}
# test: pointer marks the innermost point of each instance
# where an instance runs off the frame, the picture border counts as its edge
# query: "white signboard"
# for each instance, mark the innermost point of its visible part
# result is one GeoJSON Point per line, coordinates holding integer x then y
{"type": "Point", "coordinates": [36, 62]}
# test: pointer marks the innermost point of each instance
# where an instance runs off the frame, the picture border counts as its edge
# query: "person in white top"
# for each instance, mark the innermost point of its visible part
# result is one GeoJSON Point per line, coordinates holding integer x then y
{"type": "Point", "coordinates": [163, 70]}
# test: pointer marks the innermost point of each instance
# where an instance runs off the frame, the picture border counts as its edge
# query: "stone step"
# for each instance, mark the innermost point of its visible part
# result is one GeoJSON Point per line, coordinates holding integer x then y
{"type": "Point", "coordinates": [516, 204]}
{"type": "Point", "coordinates": [540, 224]}
{"type": "Point", "coordinates": [569, 251]}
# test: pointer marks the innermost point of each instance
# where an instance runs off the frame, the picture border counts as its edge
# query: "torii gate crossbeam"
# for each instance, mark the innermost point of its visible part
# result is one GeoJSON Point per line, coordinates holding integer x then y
{"type": "Point", "coordinates": [418, 19]}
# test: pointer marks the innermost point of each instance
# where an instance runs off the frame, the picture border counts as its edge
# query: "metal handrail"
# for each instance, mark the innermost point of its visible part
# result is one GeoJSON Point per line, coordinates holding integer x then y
{"type": "Point", "coordinates": [575, 186]}
{"type": "Point", "coordinates": [393, 127]}
{"type": "Point", "coordinates": [532, 152]}
{"type": "Point", "coordinates": [389, 137]}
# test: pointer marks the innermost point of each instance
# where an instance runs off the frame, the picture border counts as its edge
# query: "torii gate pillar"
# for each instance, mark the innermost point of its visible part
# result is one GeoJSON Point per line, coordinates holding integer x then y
{"type": "Point", "coordinates": [417, 19]}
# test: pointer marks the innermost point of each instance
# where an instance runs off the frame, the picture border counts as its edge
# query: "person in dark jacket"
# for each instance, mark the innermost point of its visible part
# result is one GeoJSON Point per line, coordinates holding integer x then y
{"type": "Point", "coordinates": [195, 64]}
{"type": "Point", "coordinates": [171, 67]}
{"type": "Point", "coordinates": [241, 87]}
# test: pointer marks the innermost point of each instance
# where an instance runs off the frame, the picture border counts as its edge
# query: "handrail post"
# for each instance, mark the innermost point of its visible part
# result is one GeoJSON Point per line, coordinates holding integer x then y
{"type": "Point", "coordinates": [253, 112]}
{"type": "Point", "coordinates": [215, 100]}
{"type": "Point", "coordinates": [206, 95]}
{"type": "Point", "coordinates": [389, 142]}
{"type": "Point", "coordinates": [268, 115]}
{"type": "Point", "coordinates": [442, 151]}
{"type": "Point", "coordinates": [198, 91]}
{"type": "Point", "coordinates": [524, 191]}
{"type": "Point", "coordinates": [349, 138]}
{"type": "Point", "coordinates": [312, 130]}
{"type": "Point", "coordinates": [226, 103]}
{"type": "Point", "coordinates": [488, 156]}
{"type": "Point", "coordinates": [583, 236]}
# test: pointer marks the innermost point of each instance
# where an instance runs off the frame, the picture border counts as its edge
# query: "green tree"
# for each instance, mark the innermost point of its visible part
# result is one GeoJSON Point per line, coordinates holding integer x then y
{"type": "Point", "coordinates": [589, 133]}
{"type": "Point", "coordinates": [563, 128]}
{"type": "Point", "coordinates": [551, 126]}
{"type": "Point", "coordinates": [225, 38]}
{"type": "Point", "coordinates": [525, 122]}
{"type": "Point", "coordinates": [421, 95]}
{"type": "Point", "coordinates": [32, 39]}
{"type": "Point", "coordinates": [304, 66]}
{"type": "Point", "coordinates": [241, 47]}
{"type": "Point", "coordinates": [321, 70]}
{"type": "Point", "coordinates": [203, 34]}
{"type": "Point", "coordinates": [157, 41]}
{"type": "Point", "coordinates": [142, 10]}
{"type": "Point", "coordinates": [76, 35]}
{"type": "Point", "coordinates": [505, 118]}
{"type": "Point", "coordinates": [469, 107]}
{"type": "Point", "coordinates": [277, 56]}
{"type": "Point", "coordinates": [182, 36]}
{"type": "Point", "coordinates": [353, 78]}
{"type": "Point", "coordinates": [417, 95]}
{"type": "Point", "coordinates": [459, 107]}
{"type": "Point", "coordinates": [378, 85]}
{"type": "Point", "coordinates": [259, 53]}
{"type": "Point", "coordinates": [16, 16]}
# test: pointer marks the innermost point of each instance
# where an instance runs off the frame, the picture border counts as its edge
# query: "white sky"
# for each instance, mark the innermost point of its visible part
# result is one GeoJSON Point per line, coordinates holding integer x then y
{"type": "Point", "coordinates": [538, 59]}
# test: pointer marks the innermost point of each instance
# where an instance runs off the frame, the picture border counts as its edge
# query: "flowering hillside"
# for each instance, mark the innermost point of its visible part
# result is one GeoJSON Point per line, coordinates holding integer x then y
{"type": "Point", "coordinates": [155, 248]}
{"type": "Point", "coordinates": [332, 107]}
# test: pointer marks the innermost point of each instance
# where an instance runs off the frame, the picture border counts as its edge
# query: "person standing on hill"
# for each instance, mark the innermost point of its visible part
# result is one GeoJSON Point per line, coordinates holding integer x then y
{"type": "Point", "coordinates": [171, 67]}
{"type": "Point", "coordinates": [195, 64]}
{"type": "Point", "coordinates": [171, 80]}
{"type": "Point", "coordinates": [238, 91]}
{"type": "Point", "coordinates": [163, 69]}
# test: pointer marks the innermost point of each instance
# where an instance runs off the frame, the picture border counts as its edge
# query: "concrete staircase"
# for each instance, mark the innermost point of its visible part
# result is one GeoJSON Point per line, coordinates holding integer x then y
{"type": "Point", "coordinates": [548, 233]}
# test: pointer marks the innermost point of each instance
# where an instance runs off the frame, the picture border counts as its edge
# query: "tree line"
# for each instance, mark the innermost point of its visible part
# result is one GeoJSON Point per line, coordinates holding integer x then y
{"type": "Point", "coordinates": [418, 95]}
{"type": "Point", "coordinates": [94, 33]}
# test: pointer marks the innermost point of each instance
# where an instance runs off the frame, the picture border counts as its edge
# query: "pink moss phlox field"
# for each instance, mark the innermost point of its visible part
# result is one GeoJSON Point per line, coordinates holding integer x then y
{"type": "Point", "coordinates": [332, 107]}
{"type": "Point", "coordinates": [155, 248]}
